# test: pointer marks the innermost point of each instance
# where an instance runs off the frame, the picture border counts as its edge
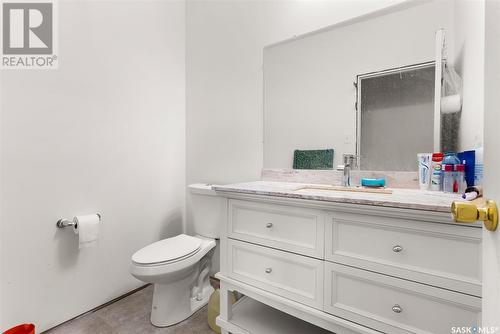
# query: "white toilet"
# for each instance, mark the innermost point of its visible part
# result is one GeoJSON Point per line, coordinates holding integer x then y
{"type": "Point", "coordinates": [179, 266]}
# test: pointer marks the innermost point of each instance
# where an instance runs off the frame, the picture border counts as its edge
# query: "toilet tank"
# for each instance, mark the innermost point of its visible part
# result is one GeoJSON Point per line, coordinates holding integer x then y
{"type": "Point", "coordinates": [207, 209]}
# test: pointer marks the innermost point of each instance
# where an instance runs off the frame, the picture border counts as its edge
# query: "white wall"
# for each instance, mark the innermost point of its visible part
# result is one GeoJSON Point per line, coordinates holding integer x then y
{"type": "Point", "coordinates": [225, 41]}
{"type": "Point", "coordinates": [469, 63]}
{"type": "Point", "coordinates": [309, 91]}
{"type": "Point", "coordinates": [103, 133]}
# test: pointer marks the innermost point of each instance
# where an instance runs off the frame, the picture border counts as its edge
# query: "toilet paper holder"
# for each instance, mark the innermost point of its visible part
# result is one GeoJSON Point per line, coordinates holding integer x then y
{"type": "Point", "coordinates": [64, 222]}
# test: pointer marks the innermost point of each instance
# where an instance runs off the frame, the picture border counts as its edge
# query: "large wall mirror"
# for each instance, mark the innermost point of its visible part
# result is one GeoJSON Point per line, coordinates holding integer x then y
{"type": "Point", "coordinates": [363, 87]}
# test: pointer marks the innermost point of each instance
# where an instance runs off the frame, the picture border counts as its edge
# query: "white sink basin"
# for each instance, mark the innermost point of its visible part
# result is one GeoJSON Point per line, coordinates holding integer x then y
{"type": "Point", "coordinates": [320, 187]}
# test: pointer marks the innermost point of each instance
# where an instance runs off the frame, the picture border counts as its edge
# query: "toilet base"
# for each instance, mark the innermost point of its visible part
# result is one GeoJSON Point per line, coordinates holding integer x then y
{"type": "Point", "coordinates": [176, 301]}
{"type": "Point", "coordinates": [180, 287]}
{"type": "Point", "coordinates": [197, 304]}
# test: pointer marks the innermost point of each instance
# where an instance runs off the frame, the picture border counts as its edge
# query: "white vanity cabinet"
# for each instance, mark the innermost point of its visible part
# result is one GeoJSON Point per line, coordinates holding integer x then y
{"type": "Point", "coordinates": [278, 272]}
{"type": "Point", "coordinates": [294, 229]}
{"type": "Point", "coordinates": [349, 268]}
{"type": "Point", "coordinates": [443, 255]}
{"type": "Point", "coordinates": [394, 305]}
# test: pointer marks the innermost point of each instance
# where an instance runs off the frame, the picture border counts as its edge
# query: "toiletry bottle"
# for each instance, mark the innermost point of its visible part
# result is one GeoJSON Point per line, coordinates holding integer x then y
{"type": "Point", "coordinates": [468, 158]}
{"type": "Point", "coordinates": [448, 178]}
{"type": "Point", "coordinates": [436, 176]}
{"type": "Point", "coordinates": [455, 179]}
{"type": "Point", "coordinates": [478, 169]}
{"type": "Point", "coordinates": [424, 170]}
{"type": "Point", "coordinates": [450, 158]}
{"type": "Point", "coordinates": [460, 183]}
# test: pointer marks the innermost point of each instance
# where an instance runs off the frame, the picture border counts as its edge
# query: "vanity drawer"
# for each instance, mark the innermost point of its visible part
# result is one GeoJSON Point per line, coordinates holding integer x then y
{"type": "Point", "coordinates": [393, 305]}
{"type": "Point", "coordinates": [292, 276]}
{"type": "Point", "coordinates": [444, 255]}
{"type": "Point", "coordinates": [289, 228]}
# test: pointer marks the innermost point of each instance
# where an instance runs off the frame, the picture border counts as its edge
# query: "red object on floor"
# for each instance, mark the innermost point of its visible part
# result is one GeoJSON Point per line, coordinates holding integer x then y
{"type": "Point", "coordinates": [21, 329]}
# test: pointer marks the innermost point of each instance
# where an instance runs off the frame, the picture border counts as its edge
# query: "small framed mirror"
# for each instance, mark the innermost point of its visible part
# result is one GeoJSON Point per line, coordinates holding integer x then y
{"type": "Point", "coordinates": [395, 117]}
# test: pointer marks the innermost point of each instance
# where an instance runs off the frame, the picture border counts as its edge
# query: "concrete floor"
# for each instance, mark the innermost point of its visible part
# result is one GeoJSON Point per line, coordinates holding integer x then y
{"type": "Point", "coordinates": [130, 315]}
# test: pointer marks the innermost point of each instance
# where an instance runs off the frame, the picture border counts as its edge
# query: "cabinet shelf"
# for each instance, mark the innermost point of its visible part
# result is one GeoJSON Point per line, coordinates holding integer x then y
{"type": "Point", "coordinates": [252, 317]}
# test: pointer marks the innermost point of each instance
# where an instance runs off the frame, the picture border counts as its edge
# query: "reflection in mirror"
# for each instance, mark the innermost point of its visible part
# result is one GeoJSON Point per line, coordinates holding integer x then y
{"type": "Point", "coordinates": [310, 100]}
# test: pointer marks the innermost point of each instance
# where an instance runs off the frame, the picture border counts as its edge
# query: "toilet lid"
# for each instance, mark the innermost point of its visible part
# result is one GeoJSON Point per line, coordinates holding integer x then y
{"type": "Point", "coordinates": [167, 250]}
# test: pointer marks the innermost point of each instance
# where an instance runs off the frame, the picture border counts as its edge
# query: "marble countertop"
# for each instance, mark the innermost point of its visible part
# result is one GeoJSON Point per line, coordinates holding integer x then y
{"type": "Point", "coordinates": [400, 198]}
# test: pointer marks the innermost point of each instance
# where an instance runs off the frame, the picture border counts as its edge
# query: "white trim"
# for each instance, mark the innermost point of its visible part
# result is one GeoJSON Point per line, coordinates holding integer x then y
{"type": "Point", "coordinates": [437, 88]}
{"type": "Point", "coordinates": [371, 15]}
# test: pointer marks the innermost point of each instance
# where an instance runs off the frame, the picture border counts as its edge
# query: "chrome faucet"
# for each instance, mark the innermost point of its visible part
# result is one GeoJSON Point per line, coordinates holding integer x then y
{"type": "Point", "coordinates": [350, 162]}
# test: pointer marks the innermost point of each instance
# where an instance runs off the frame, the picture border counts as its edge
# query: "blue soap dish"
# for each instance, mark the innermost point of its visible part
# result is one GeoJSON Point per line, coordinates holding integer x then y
{"type": "Point", "coordinates": [373, 183]}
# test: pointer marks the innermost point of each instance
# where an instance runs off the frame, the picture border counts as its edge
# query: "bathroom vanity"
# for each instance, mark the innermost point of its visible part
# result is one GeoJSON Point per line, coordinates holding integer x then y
{"type": "Point", "coordinates": [347, 262]}
{"type": "Point", "coordinates": [317, 259]}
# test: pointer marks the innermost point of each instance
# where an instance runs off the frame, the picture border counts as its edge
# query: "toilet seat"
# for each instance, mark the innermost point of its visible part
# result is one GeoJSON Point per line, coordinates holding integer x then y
{"type": "Point", "coordinates": [153, 273]}
{"type": "Point", "coordinates": [167, 251]}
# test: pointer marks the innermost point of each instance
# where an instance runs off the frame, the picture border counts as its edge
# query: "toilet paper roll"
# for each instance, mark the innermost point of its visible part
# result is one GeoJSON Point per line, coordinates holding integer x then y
{"type": "Point", "coordinates": [451, 104]}
{"type": "Point", "coordinates": [87, 228]}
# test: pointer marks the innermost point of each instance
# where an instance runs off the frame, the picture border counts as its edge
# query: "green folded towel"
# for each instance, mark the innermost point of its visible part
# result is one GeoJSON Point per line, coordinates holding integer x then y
{"type": "Point", "coordinates": [313, 159]}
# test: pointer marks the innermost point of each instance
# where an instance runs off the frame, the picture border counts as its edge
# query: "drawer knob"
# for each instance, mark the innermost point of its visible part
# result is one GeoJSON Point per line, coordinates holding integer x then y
{"type": "Point", "coordinates": [397, 249]}
{"type": "Point", "coordinates": [397, 309]}
{"type": "Point", "coordinates": [269, 225]}
{"type": "Point", "coordinates": [269, 270]}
